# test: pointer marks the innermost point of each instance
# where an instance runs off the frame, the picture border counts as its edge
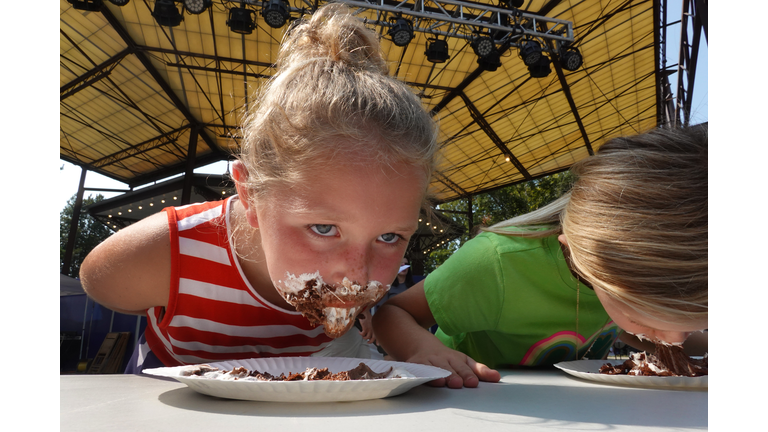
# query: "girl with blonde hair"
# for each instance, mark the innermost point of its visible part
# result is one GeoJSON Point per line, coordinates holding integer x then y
{"type": "Point", "coordinates": [624, 252]}
{"type": "Point", "coordinates": [333, 142]}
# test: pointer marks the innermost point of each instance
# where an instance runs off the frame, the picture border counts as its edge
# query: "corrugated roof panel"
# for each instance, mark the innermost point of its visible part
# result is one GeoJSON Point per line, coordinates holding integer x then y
{"type": "Point", "coordinates": [123, 124]}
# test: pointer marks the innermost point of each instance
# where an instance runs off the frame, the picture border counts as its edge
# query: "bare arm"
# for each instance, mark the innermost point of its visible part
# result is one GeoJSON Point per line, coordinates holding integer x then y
{"type": "Point", "coordinates": [401, 328]}
{"type": "Point", "coordinates": [131, 271]}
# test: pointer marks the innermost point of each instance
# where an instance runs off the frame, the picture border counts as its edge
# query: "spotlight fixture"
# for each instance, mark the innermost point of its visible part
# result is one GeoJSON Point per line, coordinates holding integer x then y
{"type": "Point", "coordinates": [166, 14]}
{"type": "Point", "coordinates": [275, 13]}
{"type": "Point", "coordinates": [437, 50]}
{"type": "Point", "coordinates": [514, 3]}
{"type": "Point", "coordinates": [196, 7]}
{"type": "Point", "coordinates": [570, 59]}
{"type": "Point", "coordinates": [241, 20]}
{"type": "Point", "coordinates": [491, 62]}
{"type": "Point", "coordinates": [401, 32]}
{"type": "Point", "coordinates": [530, 52]}
{"type": "Point", "coordinates": [483, 46]}
{"type": "Point", "coordinates": [540, 69]}
{"type": "Point", "coordinates": [86, 5]}
{"type": "Point", "coordinates": [119, 2]}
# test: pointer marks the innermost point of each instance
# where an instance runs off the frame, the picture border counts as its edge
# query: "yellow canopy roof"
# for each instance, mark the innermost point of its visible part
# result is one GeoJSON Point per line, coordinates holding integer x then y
{"type": "Point", "coordinates": [133, 92]}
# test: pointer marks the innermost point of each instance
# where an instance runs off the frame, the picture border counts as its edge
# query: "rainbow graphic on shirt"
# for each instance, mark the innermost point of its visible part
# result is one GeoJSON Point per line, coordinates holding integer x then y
{"type": "Point", "coordinates": [569, 345]}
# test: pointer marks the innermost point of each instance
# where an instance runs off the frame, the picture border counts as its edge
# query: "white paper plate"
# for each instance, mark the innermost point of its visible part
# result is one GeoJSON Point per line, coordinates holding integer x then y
{"type": "Point", "coordinates": [305, 391]}
{"type": "Point", "coordinates": [588, 370]}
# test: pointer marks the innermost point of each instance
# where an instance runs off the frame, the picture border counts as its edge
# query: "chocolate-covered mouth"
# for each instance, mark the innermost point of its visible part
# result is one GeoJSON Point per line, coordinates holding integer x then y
{"type": "Point", "coordinates": [334, 306]}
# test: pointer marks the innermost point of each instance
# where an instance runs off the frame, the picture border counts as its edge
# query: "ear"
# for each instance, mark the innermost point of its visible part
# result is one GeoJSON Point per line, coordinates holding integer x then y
{"type": "Point", "coordinates": [564, 241]}
{"type": "Point", "coordinates": [240, 175]}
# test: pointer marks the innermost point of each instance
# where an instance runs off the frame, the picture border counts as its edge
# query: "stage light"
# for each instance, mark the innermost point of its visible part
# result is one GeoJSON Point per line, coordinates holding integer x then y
{"type": "Point", "coordinates": [402, 32]}
{"type": "Point", "coordinates": [241, 20]}
{"type": "Point", "coordinates": [166, 14]}
{"type": "Point", "coordinates": [491, 62]}
{"type": "Point", "coordinates": [86, 5]}
{"type": "Point", "coordinates": [196, 7]}
{"type": "Point", "coordinates": [540, 69]}
{"type": "Point", "coordinates": [483, 46]}
{"type": "Point", "coordinates": [275, 13]}
{"type": "Point", "coordinates": [514, 3]}
{"type": "Point", "coordinates": [530, 52]}
{"type": "Point", "coordinates": [119, 2]}
{"type": "Point", "coordinates": [437, 50]}
{"type": "Point", "coordinates": [570, 59]}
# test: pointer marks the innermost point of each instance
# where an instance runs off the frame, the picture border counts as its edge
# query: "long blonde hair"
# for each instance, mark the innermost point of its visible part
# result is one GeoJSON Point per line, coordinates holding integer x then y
{"type": "Point", "coordinates": [332, 101]}
{"type": "Point", "coordinates": [636, 222]}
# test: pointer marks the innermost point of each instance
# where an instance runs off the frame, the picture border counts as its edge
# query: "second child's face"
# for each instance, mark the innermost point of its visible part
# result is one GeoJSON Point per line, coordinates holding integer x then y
{"type": "Point", "coordinates": [648, 328]}
{"type": "Point", "coordinates": [349, 222]}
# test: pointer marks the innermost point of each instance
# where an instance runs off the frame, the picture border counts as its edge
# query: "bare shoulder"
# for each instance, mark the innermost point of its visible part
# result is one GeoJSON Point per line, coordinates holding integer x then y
{"type": "Point", "coordinates": [130, 271]}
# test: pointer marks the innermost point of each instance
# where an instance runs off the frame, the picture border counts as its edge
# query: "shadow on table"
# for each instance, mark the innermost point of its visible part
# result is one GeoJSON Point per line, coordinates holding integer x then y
{"type": "Point", "coordinates": [538, 404]}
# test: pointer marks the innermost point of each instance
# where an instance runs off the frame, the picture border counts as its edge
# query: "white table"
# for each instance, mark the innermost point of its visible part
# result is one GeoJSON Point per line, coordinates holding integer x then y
{"type": "Point", "coordinates": [531, 400]}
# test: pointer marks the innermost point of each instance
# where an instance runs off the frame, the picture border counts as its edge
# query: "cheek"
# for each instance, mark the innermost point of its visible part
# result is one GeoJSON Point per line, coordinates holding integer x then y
{"type": "Point", "coordinates": [385, 267]}
{"type": "Point", "coordinates": [288, 251]}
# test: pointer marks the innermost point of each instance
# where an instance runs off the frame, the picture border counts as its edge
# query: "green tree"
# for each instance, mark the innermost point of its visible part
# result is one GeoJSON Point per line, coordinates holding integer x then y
{"type": "Point", "coordinates": [90, 233]}
{"type": "Point", "coordinates": [495, 206]}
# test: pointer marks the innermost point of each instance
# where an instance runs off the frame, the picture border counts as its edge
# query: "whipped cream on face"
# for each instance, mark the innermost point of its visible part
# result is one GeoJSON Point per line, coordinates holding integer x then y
{"type": "Point", "coordinates": [643, 337]}
{"type": "Point", "coordinates": [293, 284]}
{"type": "Point", "coordinates": [323, 303]}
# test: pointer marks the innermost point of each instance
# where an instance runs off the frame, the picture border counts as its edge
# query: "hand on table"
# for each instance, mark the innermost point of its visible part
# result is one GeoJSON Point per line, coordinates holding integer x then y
{"type": "Point", "coordinates": [465, 372]}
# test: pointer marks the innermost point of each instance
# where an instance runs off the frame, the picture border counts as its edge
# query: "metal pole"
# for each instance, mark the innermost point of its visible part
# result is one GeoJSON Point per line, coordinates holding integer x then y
{"type": "Point", "coordinates": [186, 193]}
{"type": "Point", "coordinates": [67, 267]}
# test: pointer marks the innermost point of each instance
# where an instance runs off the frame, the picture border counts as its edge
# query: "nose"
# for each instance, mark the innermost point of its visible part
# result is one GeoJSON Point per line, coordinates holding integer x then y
{"type": "Point", "coordinates": [673, 337]}
{"type": "Point", "coordinates": [353, 262]}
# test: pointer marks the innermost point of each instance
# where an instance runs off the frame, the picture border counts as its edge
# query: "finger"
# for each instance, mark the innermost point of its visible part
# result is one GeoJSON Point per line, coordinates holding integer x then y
{"type": "Point", "coordinates": [464, 374]}
{"type": "Point", "coordinates": [483, 372]}
{"type": "Point", "coordinates": [440, 382]}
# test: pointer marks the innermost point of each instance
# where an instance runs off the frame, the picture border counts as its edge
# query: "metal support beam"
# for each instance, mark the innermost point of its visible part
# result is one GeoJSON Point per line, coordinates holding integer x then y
{"type": "Point", "coordinates": [464, 20]}
{"type": "Point", "coordinates": [167, 90]}
{"type": "Point", "coordinates": [92, 76]}
{"type": "Point", "coordinates": [186, 190]}
{"type": "Point", "coordinates": [689, 53]}
{"type": "Point", "coordinates": [665, 105]}
{"type": "Point", "coordinates": [72, 237]}
{"type": "Point", "coordinates": [478, 117]}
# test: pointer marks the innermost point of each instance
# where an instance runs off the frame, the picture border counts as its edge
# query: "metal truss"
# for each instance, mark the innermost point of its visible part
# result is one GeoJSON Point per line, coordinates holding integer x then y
{"type": "Point", "coordinates": [695, 14]}
{"type": "Point", "coordinates": [675, 108]}
{"type": "Point", "coordinates": [465, 20]}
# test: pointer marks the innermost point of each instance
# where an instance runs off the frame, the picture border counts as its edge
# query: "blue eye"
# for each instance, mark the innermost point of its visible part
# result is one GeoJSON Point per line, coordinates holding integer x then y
{"type": "Point", "coordinates": [324, 230]}
{"type": "Point", "coordinates": [389, 238]}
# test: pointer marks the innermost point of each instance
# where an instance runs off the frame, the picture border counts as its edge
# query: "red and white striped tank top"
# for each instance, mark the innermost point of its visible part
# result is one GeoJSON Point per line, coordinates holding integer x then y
{"type": "Point", "coordinates": [213, 313]}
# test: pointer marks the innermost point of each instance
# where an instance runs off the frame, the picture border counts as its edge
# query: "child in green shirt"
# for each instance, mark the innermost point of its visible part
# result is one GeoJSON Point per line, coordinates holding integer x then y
{"type": "Point", "coordinates": [625, 249]}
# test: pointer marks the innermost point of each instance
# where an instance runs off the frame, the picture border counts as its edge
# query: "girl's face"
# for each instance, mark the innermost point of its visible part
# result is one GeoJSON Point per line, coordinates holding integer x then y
{"type": "Point", "coordinates": [347, 222]}
{"type": "Point", "coordinates": [648, 328]}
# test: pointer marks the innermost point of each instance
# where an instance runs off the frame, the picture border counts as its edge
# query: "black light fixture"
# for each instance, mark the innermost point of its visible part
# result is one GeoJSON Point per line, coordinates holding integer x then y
{"type": "Point", "coordinates": [514, 3]}
{"type": "Point", "coordinates": [437, 50]}
{"type": "Point", "coordinates": [86, 5]}
{"type": "Point", "coordinates": [530, 52]}
{"type": "Point", "coordinates": [275, 13]}
{"type": "Point", "coordinates": [196, 7]}
{"type": "Point", "coordinates": [483, 46]}
{"type": "Point", "coordinates": [491, 62]}
{"type": "Point", "coordinates": [401, 32]}
{"type": "Point", "coordinates": [241, 20]}
{"type": "Point", "coordinates": [119, 2]}
{"type": "Point", "coordinates": [570, 58]}
{"type": "Point", "coordinates": [166, 14]}
{"type": "Point", "coordinates": [540, 69]}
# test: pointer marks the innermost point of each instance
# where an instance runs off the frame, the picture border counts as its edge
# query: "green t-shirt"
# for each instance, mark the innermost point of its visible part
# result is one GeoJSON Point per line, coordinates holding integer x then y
{"type": "Point", "coordinates": [507, 300]}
